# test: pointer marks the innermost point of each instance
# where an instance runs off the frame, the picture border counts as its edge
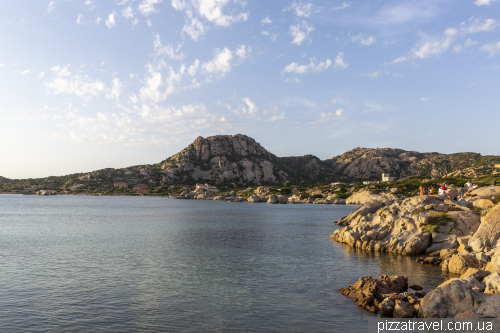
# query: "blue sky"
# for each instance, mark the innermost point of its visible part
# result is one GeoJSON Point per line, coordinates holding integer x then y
{"type": "Point", "coordinates": [88, 84]}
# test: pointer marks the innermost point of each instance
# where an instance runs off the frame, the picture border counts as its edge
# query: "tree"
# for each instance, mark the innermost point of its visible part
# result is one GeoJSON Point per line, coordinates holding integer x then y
{"type": "Point", "coordinates": [287, 183]}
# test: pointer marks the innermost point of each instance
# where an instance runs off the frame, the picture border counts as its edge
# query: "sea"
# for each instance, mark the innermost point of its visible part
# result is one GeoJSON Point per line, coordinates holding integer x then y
{"type": "Point", "coordinates": [72, 263]}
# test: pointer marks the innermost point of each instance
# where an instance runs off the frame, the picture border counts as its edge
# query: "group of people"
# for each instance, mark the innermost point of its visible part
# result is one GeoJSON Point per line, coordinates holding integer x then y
{"type": "Point", "coordinates": [462, 192]}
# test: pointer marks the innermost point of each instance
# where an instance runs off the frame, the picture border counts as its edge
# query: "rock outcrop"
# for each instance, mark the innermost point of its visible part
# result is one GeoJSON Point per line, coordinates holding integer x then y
{"type": "Point", "coordinates": [421, 224]}
{"type": "Point", "coordinates": [490, 227]}
{"type": "Point", "coordinates": [216, 159]}
{"type": "Point", "coordinates": [368, 292]}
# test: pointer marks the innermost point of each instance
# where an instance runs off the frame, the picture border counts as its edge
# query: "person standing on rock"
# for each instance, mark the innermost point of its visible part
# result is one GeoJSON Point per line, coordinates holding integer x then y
{"type": "Point", "coordinates": [468, 184]}
{"type": "Point", "coordinates": [431, 190]}
{"type": "Point", "coordinates": [422, 190]}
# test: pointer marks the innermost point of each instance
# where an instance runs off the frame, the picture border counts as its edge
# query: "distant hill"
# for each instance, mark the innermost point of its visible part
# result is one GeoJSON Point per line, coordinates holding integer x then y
{"type": "Point", "coordinates": [238, 159]}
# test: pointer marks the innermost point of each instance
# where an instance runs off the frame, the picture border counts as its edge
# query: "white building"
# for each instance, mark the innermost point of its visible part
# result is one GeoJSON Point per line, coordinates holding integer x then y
{"type": "Point", "coordinates": [207, 187]}
{"type": "Point", "coordinates": [387, 177]}
{"type": "Point", "coordinates": [367, 182]}
{"type": "Point", "coordinates": [336, 183]}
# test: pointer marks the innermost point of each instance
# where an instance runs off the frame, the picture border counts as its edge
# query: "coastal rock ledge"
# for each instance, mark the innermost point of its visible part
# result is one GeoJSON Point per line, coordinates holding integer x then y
{"type": "Point", "coordinates": [422, 224]}
{"type": "Point", "coordinates": [449, 233]}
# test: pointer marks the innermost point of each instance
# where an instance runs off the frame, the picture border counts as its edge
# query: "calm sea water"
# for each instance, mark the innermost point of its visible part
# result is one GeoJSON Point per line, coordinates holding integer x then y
{"type": "Point", "coordinates": [145, 264]}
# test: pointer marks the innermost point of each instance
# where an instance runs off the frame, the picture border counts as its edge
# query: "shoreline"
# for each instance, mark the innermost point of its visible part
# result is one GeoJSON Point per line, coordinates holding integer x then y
{"type": "Point", "coordinates": [455, 235]}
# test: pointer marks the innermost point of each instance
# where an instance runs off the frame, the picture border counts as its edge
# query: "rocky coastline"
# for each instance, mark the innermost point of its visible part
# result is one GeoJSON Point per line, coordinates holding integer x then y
{"type": "Point", "coordinates": [460, 236]}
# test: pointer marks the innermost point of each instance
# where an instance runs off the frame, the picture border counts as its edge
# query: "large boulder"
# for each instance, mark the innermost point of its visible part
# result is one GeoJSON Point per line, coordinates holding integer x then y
{"type": "Point", "coordinates": [459, 263]}
{"type": "Point", "coordinates": [488, 192]}
{"type": "Point", "coordinates": [448, 300]}
{"type": "Point", "coordinates": [490, 226]}
{"type": "Point", "coordinates": [462, 298]}
{"type": "Point", "coordinates": [494, 264]}
{"type": "Point", "coordinates": [364, 196]}
{"type": "Point", "coordinates": [367, 292]}
{"type": "Point", "coordinates": [254, 198]}
{"type": "Point", "coordinates": [364, 210]}
{"type": "Point", "coordinates": [45, 192]}
{"type": "Point", "coordinates": [492, 283]}
{"type": "Point", "coordinates": [403, 310]}
{"type": "Point", "coordinates": [272, 199]}
{"type": "Point", "coordinates": [282, 199]}
{"type": "Point", "coordinates": [483, 203]}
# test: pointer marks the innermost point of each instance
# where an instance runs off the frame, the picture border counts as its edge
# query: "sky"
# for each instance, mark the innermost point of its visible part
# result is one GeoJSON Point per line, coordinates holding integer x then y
{"type": "Point", "coordinates": [91, 84]}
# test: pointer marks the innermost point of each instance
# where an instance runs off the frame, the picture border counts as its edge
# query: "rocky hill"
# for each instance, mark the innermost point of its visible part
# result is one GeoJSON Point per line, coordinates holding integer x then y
{"type": "Point", "coordinates": [225, 160]}
{"type": "Point", "coordinates": [368, 164]}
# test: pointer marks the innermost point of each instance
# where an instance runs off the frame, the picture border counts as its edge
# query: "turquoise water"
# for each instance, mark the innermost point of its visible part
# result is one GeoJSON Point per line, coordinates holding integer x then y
{"type": "Point", "coordinates": [147, 264]}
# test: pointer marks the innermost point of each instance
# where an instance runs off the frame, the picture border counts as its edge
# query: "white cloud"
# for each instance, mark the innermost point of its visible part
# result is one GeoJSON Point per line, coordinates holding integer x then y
{"type": "Point", "coordinates": [301, 10]}
{"type": "Point", "coordinates": [271, 37]}
{"type": "Point", "coordinates": [150, 91]}
{"type": "Point", "coordinates": [242, 51]}
{"type": "Point", "coordinates": [116, 90]}
{"type": "Point", "coordinates": [133, 98]}
{"type": "Point", "coordinates": [39, 75]}
{"type": "Point", "coordinates": [128, 12]}
{"type": "Point", "coordinates": [167, 50]}
{"type": "Point", "coordinates": [363, 41]}
{"type": "Point", "coordinates": [437, 47]}
{"type": "Point", "coordinates": [266, 20]}
{"type": "Point", "coordinates": [296, 80]}
{"type": "Point", "coordinates": [212, 11]}
{"type": "Point", "coordinates": [79, 19]}
{"type": "Point", "coordinates": [491, 49]}
{"type": "Point", "coordinates": [98, 20]}
{"type": "Point", "coordinates": [325, 117]}
{"type": "Point", "coordinates": [149, 23]}
{"type": "Point", "coordinates": [2, 65]}
{"type": "Point", "coordinates": [400, 59]}
{"type": "Point", "coordinates": [252, 108]}
{"type": "Point", "coordinates": [474, 25]}
{"type": "Point", "coordinates": [135, 21]}
{"type": "Point", "coordinates": [220, 65]}
{"type": "Point", "coordinates": [339, 61]}
{"type": "Point", "coordinates": [276, 117]}
{"type": "Point", "coordinates": [312, 66]}
{"type": "Point", "coordinates": [62, 70]}
{"type": "Point", "coordinates": [300, 32]}
{"type": "Point", "coordinates": [343, 6]}
{"type": "Point", "coordinates": [483, 2]}
{"type": "Point", "coordinates": [52, 6]}
{"type": "Point", "coordinates": [424, 99]}
{"type": "Point", "coordinates": [79, 87]}
{"type": "Point", "coordinates": [27, 71]}
{"type": "Point", "coordinates": [371, 75]}
{"type": "Point", "coordinates": [89, 2]}
{"type": "Point", "coordinates": [194, 67]}
{"type": "Point", "coordinates": [147, 7]}
{"type": "Point", "coordinates": [195, 28]}
{"type": "Point", "coordinates": [110, 22]}
{"type": "Point", "coordinates": [469, 42]}
{"type": "Point", "coordinates": [432, 48]}
{"type": "Point", "coordinates": [179, 4]}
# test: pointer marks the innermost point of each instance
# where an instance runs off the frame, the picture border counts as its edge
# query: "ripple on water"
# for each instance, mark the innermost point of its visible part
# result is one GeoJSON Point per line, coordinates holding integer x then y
{"type": "Point", "coordinates": [116, 264]}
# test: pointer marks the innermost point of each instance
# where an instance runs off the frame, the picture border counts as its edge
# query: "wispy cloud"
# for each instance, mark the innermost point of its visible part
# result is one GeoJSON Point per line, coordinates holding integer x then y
{"type": "Point", "coordinates": [313, 66]}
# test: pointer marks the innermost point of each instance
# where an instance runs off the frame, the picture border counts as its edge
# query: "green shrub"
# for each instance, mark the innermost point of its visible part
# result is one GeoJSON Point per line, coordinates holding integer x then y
{"type": "Point", "coordinates": [418, 211]}
{"type": "Point", "coordinates": [485, 211]}
{"type": "Point", "coordinates": [317, 196]}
